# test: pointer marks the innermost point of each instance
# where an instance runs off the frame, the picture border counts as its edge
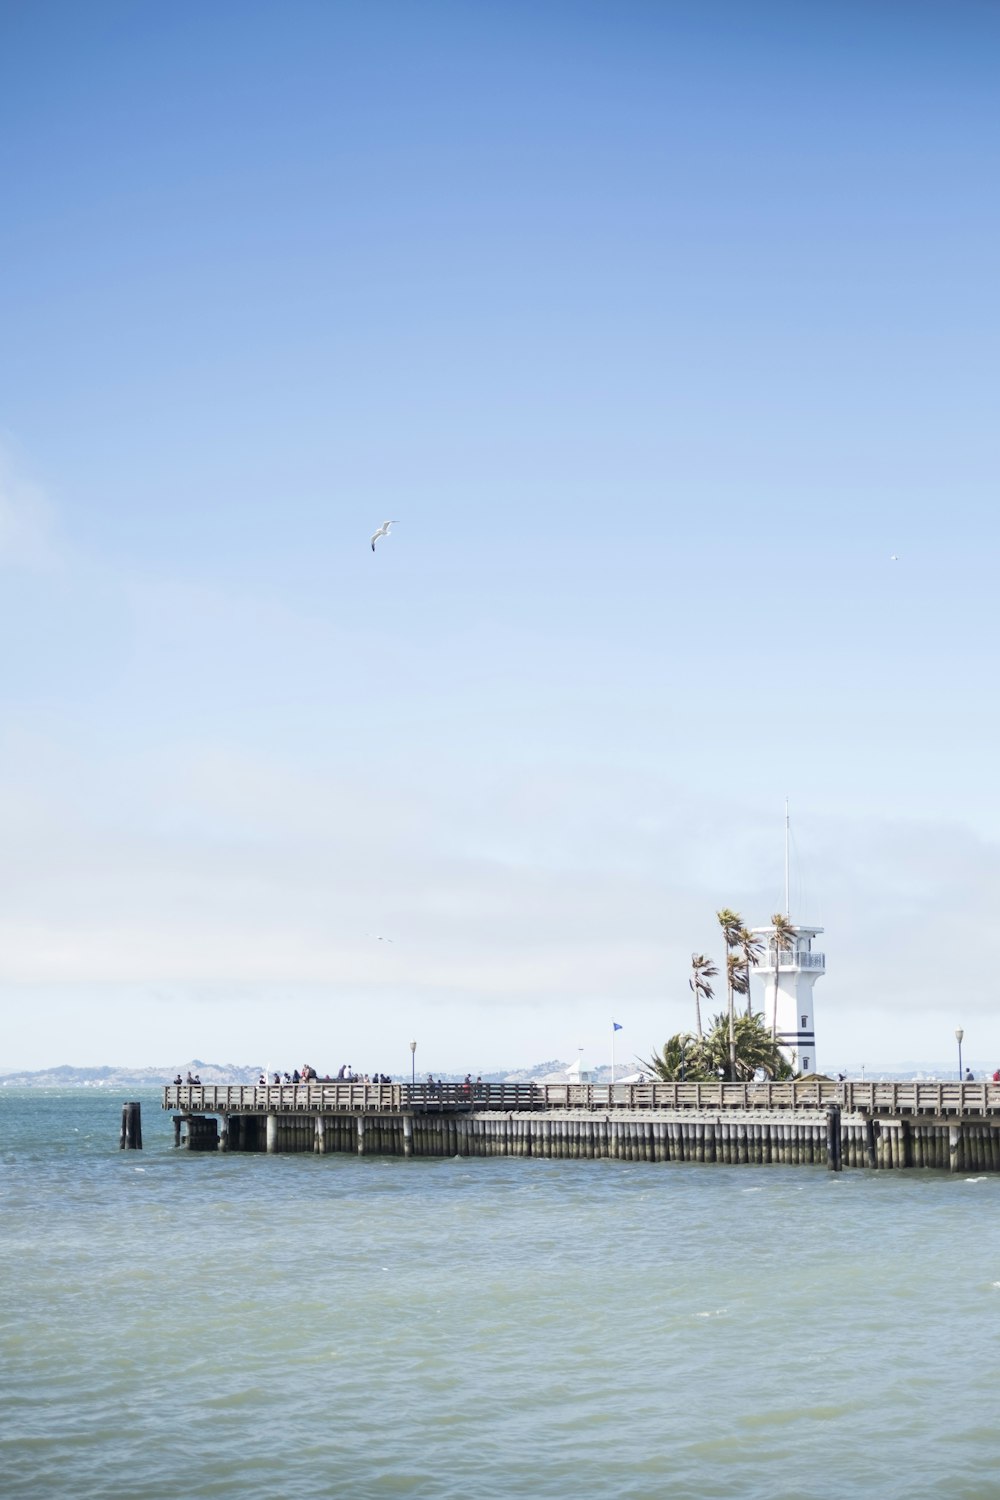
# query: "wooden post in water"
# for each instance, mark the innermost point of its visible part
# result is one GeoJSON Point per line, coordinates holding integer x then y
{"type": "Point", "coordinates": [955, 1162]}
{"type": "Point", "coordinates": [271, 1139]}
{"type": "Point", "coordinates": [834, 1160]}
{"type": "Point", "coordinates": [131, 1132]}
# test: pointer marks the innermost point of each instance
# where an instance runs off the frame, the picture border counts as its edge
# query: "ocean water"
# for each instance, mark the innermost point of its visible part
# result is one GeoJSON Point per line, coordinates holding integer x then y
{"type": "Point", "coordinates": [174, 1323]}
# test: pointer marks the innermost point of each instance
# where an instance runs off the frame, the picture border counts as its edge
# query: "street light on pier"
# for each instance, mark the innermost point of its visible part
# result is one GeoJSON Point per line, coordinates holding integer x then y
{"type": "Point", "coordinates": [958, 1037]}
{"type": "Point", "coordinates": [413, 1063]}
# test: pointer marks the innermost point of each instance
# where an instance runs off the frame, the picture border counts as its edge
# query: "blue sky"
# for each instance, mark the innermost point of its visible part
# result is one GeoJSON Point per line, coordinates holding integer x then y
{"type": "Point", "coordinates": [658, 328]}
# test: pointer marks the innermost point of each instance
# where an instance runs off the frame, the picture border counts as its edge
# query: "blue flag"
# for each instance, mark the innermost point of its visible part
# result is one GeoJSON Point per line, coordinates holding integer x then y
{"type": "Point", "coordinates": [615, 1026]}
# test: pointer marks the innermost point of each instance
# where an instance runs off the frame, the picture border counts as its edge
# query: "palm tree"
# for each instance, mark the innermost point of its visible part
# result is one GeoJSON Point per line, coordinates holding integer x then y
{"type": "Point", "coordinates": [783, 941]}
{"type": "Point", "coordinates": [680, 1058]}
{"type": "Point", "coordinates": [751, 947]}
{"type": "Point", "coordinates": [731, 923]}
{"type": "Point", "coordinates": [738, 971]}
{"type": "Point", "coordinates": [754, 1049]}
{"type": "Point", "coordinates": [702, 970]}
{"type": "Point", "coordinates": [699, 1059]}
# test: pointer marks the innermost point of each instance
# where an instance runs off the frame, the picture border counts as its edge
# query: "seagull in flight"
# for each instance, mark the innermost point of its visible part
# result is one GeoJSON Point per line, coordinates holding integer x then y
{"type": "Point", "coordinates": [382, 531]}
{"type": "Point", "coordinates": [893, 557]}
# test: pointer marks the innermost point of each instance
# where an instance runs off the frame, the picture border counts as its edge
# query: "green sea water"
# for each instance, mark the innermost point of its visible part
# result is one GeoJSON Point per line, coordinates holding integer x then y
{"type": "Point", "coordinates": [245, 1326]}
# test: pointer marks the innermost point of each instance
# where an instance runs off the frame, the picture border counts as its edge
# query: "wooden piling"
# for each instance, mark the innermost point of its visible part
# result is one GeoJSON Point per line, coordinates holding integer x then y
{"type": "Point", "coordinates": [905, 1144]}
{"type": "Point", "coordinates": [130, 1138]}
{"type": "Point", "coordinates": [834, 1160]}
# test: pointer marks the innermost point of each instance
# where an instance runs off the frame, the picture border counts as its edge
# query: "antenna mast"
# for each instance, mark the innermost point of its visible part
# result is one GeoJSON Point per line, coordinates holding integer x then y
{"type": "Point", "coordinates": [787, 907]}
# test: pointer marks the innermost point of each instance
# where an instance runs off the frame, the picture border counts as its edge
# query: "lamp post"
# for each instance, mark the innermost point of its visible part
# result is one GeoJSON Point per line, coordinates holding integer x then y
{"type": "Point", "coordinates": [413, 1064]}
{"type": "Point", "coordinates": [958, 1037]}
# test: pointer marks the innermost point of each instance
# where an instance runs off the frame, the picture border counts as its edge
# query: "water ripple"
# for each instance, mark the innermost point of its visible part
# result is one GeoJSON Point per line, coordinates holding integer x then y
{"type": "Point", "coordinates": [251, 1326]}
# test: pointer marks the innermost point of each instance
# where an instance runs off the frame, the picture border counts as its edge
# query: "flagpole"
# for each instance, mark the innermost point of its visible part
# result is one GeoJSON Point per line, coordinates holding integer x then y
{"type": "Point", "coordinates": [613, 1030]}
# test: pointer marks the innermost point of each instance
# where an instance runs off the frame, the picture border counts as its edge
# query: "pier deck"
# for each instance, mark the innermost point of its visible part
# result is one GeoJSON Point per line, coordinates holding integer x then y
{"type": "Point", "coordinates": [951, 1126]}
{"type": "Point", "coordinates": [927, 1098]}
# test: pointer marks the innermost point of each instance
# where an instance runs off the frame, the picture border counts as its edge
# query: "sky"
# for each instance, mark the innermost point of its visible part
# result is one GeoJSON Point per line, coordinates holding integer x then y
{"type": "Point", "coordinates": [657, 329]}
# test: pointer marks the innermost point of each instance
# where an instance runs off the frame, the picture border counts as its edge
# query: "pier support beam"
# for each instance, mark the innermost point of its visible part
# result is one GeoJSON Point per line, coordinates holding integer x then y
{"type": "Point", "coordinates": [224, 1133]}
{"type": "Point", "coordinates": [955, 1153]}
{"type": "Point", "coordinates": [905, 1144]}
{"type": "Point", "coordinates": [361, 1135]}
{"type": "Point", "coordinates": [202, 1133]}
{"type": "Point", "coordinates": [407, 1135]}
{"type": "Point", "coordinates": [272, 1134]}
{"type": "Point", "coordinates": [319, 1136]}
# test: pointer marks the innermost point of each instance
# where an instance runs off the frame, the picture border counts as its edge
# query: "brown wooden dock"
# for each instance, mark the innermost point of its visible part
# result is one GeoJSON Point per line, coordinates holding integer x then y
{"type": "Point", "coordinates": [924, 1123]}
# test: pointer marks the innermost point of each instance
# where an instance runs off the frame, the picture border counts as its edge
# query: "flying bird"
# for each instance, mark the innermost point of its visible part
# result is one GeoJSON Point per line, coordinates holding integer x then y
{"type": "Point", "coordinates": [893, 558]}
{"type": "Point", "coordinates": [382, 531]}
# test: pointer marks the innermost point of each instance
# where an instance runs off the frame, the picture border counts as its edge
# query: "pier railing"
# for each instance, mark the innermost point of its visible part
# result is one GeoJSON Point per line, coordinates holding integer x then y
{"type": "Point", "coordinates": [921, 1096]}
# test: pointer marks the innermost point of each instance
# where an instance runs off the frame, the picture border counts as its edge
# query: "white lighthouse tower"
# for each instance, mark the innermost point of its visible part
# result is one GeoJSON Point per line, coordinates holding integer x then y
{"type": "Point", "coordinates": [789, 969]}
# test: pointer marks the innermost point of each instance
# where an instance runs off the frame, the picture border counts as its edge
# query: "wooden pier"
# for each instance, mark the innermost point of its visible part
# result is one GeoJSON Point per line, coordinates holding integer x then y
{"type": "Point", "coordinates": [949, 1126]}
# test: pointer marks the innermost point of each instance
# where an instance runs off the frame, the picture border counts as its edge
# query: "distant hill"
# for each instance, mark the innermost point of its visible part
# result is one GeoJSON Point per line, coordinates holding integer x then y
{"type": "Point", "coordinates": [107, 1077]}
{"type": "Point", "coordinates": [133, 1078]}
{"type": "Point", "coordinates": [66, 1076]}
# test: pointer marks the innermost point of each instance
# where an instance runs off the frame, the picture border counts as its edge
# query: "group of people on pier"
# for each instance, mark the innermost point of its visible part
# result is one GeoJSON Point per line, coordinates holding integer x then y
{"type": "Point", "coordinates": [308, 1074]}
{"type": "Point", "coordinates": [466, 1088]}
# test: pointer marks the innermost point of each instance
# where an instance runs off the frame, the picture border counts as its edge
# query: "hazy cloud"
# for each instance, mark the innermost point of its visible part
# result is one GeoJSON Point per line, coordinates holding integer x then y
{"type": "Point", "coordinates": [27, 519]}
